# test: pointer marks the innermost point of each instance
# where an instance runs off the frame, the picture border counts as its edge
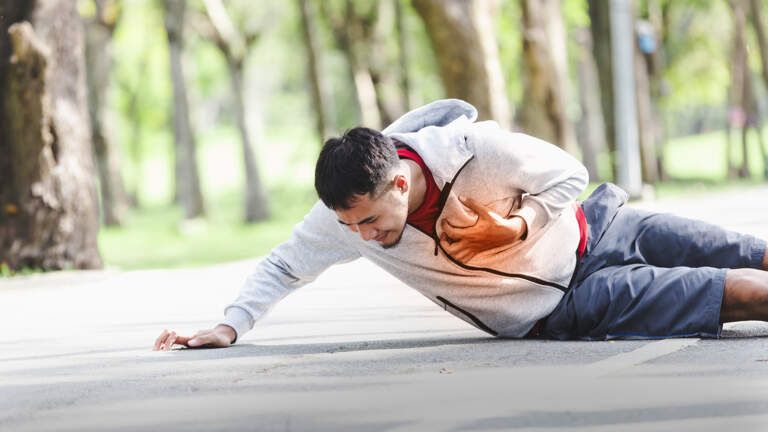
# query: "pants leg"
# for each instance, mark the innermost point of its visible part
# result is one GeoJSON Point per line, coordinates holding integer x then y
{"type": "Point", "coordinates": [666, 240]}
{"type": "Point", "coordinates": [639, 301]}
{"type": "Point", "coordinates": [624, 235]}
{"type": "Point", "coordinates": [648, 275]}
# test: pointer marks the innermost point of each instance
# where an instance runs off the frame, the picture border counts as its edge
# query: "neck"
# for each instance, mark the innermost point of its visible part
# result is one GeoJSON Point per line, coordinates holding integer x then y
{"type": "Point", "coordinates": [418, 185]}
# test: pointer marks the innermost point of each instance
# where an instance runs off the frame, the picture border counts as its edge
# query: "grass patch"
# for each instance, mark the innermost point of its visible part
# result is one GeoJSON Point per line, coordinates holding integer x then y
{"type": "Point", "coordinates": [702, 158]}
{"type": "Point", "coordinates": [155, 237]}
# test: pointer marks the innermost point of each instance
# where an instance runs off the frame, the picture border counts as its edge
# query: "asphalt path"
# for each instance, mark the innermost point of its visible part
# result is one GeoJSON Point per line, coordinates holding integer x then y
{"type": "Point", "coordinates": [356, 350]}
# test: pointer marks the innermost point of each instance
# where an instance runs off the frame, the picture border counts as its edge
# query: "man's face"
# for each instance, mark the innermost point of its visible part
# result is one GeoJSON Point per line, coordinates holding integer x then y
{"type": "Point", "coordinates": [380, 219]}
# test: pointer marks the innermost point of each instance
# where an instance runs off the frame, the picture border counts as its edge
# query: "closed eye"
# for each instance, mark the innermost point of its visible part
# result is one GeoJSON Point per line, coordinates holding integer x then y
{"type": "Point", "coordinates": [362, 222]}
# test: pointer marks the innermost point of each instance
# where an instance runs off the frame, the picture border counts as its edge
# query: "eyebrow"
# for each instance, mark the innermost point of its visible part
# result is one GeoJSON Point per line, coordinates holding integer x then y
{"type": "Point", "coordinates": [364, 221]}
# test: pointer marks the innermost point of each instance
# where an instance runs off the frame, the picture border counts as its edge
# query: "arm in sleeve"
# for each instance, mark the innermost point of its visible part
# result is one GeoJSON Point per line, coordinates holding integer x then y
{"type": "Point", "coordinates": [315, 245]}
{"type": "Point", "coordinates": [550, 178]}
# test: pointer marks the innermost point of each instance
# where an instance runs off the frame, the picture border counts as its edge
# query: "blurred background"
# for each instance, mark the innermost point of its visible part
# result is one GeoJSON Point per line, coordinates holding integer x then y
{"type": "Point", "coordinates": [170, 133]}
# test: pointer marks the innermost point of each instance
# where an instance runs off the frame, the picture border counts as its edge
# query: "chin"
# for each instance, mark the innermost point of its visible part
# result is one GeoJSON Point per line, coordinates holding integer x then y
{"type": "Point", "coordinates": [394, 243]}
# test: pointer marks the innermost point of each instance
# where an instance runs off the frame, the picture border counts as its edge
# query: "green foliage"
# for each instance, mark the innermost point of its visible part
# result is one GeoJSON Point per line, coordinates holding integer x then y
{"type": "Point", "coordinates": [6, 271]}
{"type": "Point", "coordinates": [575, 13]}
{"type": "Point", "coordinates": [153, 237]}
{"type": "Point", "coordinates": [282, 126]}
{"type": "Point", "coordinates": [704, 156]}
{"type": "Point", "coordinates": [696, 51]}
{"type": "Point", "coordinates": [426, 85]}
{"type": "Point", "coordinates": [508, 35]}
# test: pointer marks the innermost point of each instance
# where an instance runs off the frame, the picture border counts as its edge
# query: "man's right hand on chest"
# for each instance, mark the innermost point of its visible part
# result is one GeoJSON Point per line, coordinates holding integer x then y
{"type": "Point", "coordinates": [220, 336]}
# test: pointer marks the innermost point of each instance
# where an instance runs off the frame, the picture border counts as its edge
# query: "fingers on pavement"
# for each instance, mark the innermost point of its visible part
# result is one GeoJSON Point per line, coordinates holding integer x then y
{"type": "Point", "coordinates": [169, 341]}
{"type": "Point", "coordinates": [161, 339]}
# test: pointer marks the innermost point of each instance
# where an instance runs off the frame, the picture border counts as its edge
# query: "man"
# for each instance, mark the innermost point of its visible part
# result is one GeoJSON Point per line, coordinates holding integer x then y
{"type": "Point", "coordinates": [484, 223]}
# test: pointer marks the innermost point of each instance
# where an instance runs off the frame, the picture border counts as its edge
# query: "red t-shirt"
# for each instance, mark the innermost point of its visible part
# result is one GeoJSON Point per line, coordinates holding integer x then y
{"type": "Point", "coordinates": [425, 216]}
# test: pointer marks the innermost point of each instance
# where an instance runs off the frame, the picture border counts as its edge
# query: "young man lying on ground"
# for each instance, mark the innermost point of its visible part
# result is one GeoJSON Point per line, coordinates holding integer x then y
{"type": "Point", "coordinates": [484, 223]}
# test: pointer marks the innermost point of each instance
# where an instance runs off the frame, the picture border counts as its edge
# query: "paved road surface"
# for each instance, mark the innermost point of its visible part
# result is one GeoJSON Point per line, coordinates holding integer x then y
{"type": "Point", "coordinates": [356, 350]}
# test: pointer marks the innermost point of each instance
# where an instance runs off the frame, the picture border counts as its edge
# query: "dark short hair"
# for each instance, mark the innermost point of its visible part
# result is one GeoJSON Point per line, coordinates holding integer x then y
{"type": "Point", "coordinates": [355, 163]}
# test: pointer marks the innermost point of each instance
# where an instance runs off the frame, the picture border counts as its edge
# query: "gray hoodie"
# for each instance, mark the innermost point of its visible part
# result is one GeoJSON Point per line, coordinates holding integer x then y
{"type": "Point", "coordinates": [503, 291]}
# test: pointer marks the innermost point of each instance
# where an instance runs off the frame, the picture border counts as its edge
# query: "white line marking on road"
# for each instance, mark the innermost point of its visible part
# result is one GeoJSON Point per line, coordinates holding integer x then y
{"type": "Point", "coordinates": [643, 354]}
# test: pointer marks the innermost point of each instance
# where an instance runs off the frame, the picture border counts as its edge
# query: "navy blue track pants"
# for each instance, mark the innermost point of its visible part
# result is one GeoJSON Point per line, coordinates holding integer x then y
{"type": "Point", "coordinates": [648, 275]}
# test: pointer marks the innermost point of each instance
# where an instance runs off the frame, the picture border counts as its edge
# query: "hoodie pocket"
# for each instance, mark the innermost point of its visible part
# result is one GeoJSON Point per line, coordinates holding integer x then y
{"type": "Point", "coordinates": [455, 309]}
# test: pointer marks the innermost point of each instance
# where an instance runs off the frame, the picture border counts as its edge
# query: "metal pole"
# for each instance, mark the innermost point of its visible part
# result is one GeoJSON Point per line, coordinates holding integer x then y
{"type": "Point", "coordinates": [629, 173]}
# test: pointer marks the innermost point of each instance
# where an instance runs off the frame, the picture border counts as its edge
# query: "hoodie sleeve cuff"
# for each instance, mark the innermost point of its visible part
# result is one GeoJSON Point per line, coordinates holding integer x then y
{"type": "Point", "coordinates": [240, 320]}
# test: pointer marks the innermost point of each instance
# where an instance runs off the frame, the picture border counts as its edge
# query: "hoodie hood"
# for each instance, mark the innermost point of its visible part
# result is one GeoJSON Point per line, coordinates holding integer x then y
{"type": "Point", "coordinates": [438, 113]}
{"type": "Point", "coordinates": [438, 133]}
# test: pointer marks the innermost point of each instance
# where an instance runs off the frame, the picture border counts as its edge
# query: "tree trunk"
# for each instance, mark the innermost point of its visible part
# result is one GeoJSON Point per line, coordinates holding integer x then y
{"type": "Point", "coordinates": [600, 25]}
{"type": "Point", "coordinates": [256, 207]}
{"type": "Point", "coordinates": [350, 35]}
{"type": "Point", "coordinates": [461, 32]}
{"type": "Point", "coordinates": [543, 113]}
{"type": "Point", "coordinates": [318, 103]}
{"type": "Point", "coordinates": [757, 22]}
{"type": "Point", "coordinates": [591, 131]}
{"type": "Point", "coordinates": [234, 47]}
{"type": "Point", "coordinates": [656, 77]}
{"type": "Point", "coordinates": [739, 70]}
{"type": "Point", "coordinates": [187, 177]}
{"type": "Point", "coordinates": [378, 26]}
{"type": "Point", "coordinates": [646, 124]}
{"type": "Point", "coordinates": [405, 83]}
{"type": "Point", "coordinates": [752, 120]}
{"type": "Point", "coordinates": [98, 54]}
{"type": "Point", "coordinates": [366, 94]}
{"type": "Point", "coordinates": [730, 171]}
{"type": "Point", "coordinates": [134, 119]}
{"type": "Point", "coordinates": [49, 214]}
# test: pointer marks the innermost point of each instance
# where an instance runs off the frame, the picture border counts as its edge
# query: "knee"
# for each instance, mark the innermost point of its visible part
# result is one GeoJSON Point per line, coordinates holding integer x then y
{"type": "Point", "coordinates": [745, 296]}
{"type": "Point", "coordinates": [765, 261]}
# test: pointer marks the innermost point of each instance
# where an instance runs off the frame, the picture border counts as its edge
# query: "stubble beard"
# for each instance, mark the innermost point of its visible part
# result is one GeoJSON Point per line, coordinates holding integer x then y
{"type": "Point", "coordinates": [396, 242]}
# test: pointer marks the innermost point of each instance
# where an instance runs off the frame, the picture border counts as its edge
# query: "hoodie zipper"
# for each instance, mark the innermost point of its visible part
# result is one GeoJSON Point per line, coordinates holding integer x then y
{"type": "Point", "coordinates": [441, 202]}
{"type": "Point", "coordinates": [474, 319]}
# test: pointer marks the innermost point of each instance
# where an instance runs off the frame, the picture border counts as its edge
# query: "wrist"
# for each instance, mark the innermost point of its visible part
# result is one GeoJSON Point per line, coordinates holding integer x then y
{"type": "Point", "coordinates": [226, 331]}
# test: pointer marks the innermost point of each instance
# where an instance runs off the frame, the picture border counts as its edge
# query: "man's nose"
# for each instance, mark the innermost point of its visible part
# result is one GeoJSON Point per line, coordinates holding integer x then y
{"type": "Point", "coordinates": [366, 232]}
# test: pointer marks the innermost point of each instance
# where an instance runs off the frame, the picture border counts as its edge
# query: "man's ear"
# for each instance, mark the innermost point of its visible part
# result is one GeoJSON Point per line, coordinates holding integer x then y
{"type": "Point", "coordinates": [401, 183]}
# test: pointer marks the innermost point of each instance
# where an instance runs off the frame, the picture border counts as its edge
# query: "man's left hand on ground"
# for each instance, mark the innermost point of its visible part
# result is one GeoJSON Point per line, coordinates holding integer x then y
{"type": "Point", "coordinates": [489, 231]}
{"type": "Point", "coordinates": [220, 336]}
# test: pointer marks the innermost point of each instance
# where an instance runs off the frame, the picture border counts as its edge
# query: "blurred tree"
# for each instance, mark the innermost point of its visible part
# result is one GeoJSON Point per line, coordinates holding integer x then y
{"type": "Point", "coordinates": [600, 25]}
{"type": "Point", "coordinates": [742, 110]}
{"type": "Point", "coordinates": [359, 31]}
{"type": "Point", "coordinates": [347, 28]}
{"type": "Point", "coordinates": [543, 112]}
{"type": "Point", "coordinates": [648, 71]}
{"type": "Point", "coordinates": [590, 129]}
{"type": "Point", "coordinates": [49, 214]}
{"type": "Point", "coordinates": [234, 44]}
{"type": "Point", "coordinates": [187, 174]}
{"type": "Point", "coordinates": [98, 61]}
{"type": "Point", "coordinates": [462, 37]}
{"type": "Point", "coordinates": [646, 119]}
{"type": "Point", "coordinates": [402, 43]}
{"type": "Point", "coordinates": [307, 14]}
{"type": "Point", "coordinates": [656, 65]}
{"type": "Point", "coordinates": [757, 22]}
{"type": "Point", "coordinates": [133, 92]}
